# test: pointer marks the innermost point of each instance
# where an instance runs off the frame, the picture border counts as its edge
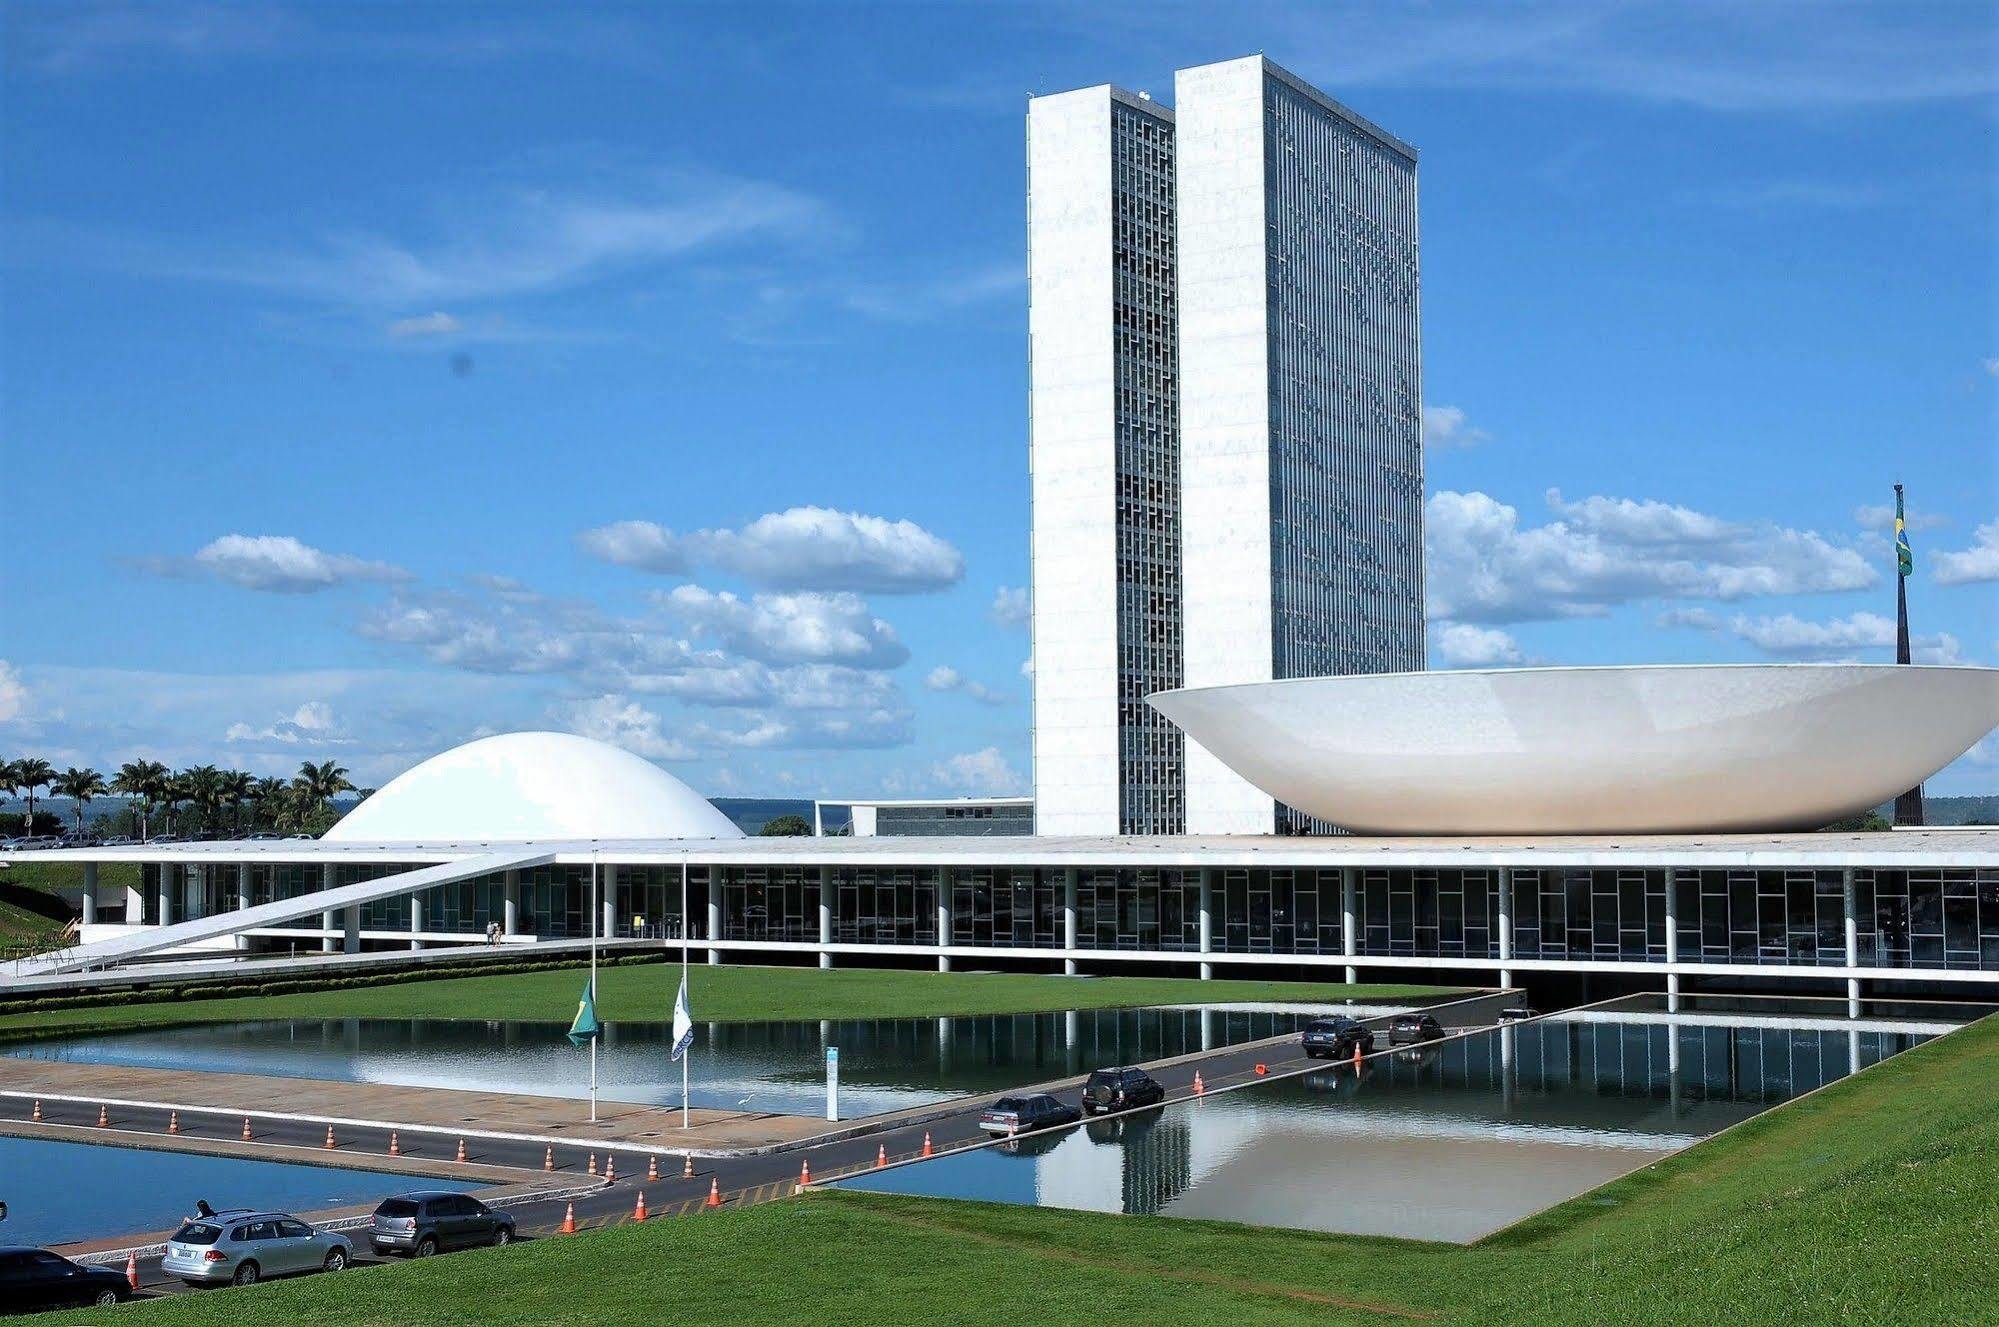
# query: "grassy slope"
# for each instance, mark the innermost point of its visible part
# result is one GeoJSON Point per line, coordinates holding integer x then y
{"type": "Point", "coordinates": [1870, 1202]}
{"type": "Point", "coordinates": [719, 994]}
{"type": "Point", "coordinates": [54, 876]}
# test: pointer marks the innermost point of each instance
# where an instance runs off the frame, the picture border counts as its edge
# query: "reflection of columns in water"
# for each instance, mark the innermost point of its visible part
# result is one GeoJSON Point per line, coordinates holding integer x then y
{"type": "Point", "coordinates": [1673, 1069]}
{"type": "Point", "coordinates": [1509, 1073]}
{"type": "Point", "coordinates": [944, 1046]}
{"type": "Point", "coordinates": [1071, 1022]}
{"type": "Point", "coordinates": [350, 1036]}
{"type": "Point", "coordinates": [1207, 1029]}
{"type": "Point", "coordinates": [1853, 1050]}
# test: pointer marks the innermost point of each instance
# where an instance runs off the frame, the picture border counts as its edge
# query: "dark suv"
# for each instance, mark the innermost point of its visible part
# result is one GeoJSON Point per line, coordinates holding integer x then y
{"type": "Point", "coordinates": [1120, 1089]}
{"type": "Point", "coordinates": [1406, 1028]}
{"type": "Point", "coordinates": [1335, 1038]}
{"type": "Point", "coordinates": [422, 1223]}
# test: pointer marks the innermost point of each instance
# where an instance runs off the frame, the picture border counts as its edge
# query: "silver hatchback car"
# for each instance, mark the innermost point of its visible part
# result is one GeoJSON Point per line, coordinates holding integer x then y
{"type": "Point", "coordinates": [242, 1246]}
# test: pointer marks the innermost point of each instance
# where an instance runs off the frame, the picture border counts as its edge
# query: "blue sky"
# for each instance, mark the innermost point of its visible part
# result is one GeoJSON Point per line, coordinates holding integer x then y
{"type": "Point", "coordinates": [377, 376]}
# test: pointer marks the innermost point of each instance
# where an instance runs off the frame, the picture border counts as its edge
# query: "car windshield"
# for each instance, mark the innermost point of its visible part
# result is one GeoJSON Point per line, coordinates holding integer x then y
{"type": "Point", "coordinates": [197, 1232]}
{"type": "Point", "coordinates": [1008, 1103]}
{"type": "Point", "coordinates": [396, 1207]}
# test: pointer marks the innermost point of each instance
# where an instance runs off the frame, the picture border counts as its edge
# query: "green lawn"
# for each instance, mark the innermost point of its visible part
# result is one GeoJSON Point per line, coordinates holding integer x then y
{"type": "Point", "coordinates": [720, 994]}
{"type": "Point", "coordinates": [1869, 1202]}
{"type": "Point", "coordinates": [54, 876]}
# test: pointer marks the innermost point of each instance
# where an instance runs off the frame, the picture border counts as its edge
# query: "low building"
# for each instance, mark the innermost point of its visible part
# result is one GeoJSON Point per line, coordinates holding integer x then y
{"type": "Point", "coordinates": [935, 817]}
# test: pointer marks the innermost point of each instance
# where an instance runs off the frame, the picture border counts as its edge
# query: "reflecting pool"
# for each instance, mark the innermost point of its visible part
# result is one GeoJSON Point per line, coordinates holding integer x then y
{"type": "Point", "coordinates": [779, 1067]}
{"type": "Point", "coordinates": [1451, 1141]}
{"type": "Point", "coordinates": [57, 1192]}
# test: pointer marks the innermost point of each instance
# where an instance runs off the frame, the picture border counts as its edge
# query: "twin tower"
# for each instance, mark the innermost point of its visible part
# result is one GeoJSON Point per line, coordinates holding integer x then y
{"type": "Point", "coordinates": [1226, 434]}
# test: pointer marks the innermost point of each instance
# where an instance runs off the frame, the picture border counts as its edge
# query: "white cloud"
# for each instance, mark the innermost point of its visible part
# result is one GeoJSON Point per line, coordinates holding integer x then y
{"type": "Point", "coordinates": [1011, 608]}
{"type": "Point", "coordinates": [1976, 564]}
{"type": "Point", "coordinates": [789, 628]}
{"type": "Point", "coordinates": [917, 301]}
{"type": "Point", "coordinates": [946, 678]}
{"type": "Point", "coordinates": [1880, 518]}
{"type": "Point", "coordinates": [1445, 426]}
{"type": "Point", "coordinates": [626, 723]}
{"type": "Point", "coordinates": [983, 771]}
{"type": "Point", "coordinates": [1602, 552]}
{"type": "Point", "coordinates": [311, 724]}
{"type": "Point", "coordinates": [1788, 636]}
{"type": "Point", "coordinates": [13, 694]}
{"type": "Point", "coordinates": [279, 564]}
{"type": "Point", "coordinates": [801, 548]}
{"type": "Point", "coordinates": [1462, 645]}
{"type": "Point", "coordinates": [425, 325]}
{"type": "Point", "coordinates": [1992, 366]}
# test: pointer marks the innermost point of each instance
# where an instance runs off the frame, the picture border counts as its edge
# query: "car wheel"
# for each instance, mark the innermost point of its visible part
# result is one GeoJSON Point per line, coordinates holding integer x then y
{"type": "Point", "coordinates": [336, 1260]}
{"type": "Point", "coordinates": [503, 1237]}
{"type": "Point", "coordinates": [426, 1246]}
{"type": "Point", "coordinates": [246, 1274]}
{"type": "Point", "coordinates": [106, 1298]}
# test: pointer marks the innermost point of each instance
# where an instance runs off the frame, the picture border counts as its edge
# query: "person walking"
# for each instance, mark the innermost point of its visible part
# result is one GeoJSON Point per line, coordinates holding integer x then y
{"type": "Point", "coordinates": [493, 934]}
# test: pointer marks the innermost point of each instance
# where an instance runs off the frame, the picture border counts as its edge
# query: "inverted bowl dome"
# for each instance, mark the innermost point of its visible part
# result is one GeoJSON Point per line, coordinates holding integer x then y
{"type": "Point", "coordinates": [1652, 749]}
{"type": "Point", "coordinates": [520, 787]}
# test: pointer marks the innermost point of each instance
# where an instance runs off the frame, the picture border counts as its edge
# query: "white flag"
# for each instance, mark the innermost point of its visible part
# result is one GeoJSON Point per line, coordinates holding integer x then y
{"type": "Point", "coordinates": [683, 1022]}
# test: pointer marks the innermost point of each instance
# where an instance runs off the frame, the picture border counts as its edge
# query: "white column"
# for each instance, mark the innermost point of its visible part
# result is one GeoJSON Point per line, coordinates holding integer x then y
{"type": "Point", "coordinates": [1851, 902]}
{"type": "Point", "coordinates": [416, 919]}
{"type": "Point", "coordinates": [350, 930]}
{"type": "Point", "coordinates": [944, 887]}
{"type": "Point", "coordinates": [1349, 920]}
{"type": "Point", "coordinates": [169, 880]}
{"type": "Point", "coordinates": [1505, 924]}
{"type": "Point", "coordinates": [90, 893]}
{"type": "Point", "coordinates": [328, 921]}
{"type": "Point", "coordinates": [1207, 923]}
{"type": "Point", "coordinates": [510, 902]}
{"type": "Point", "coordinates": [135, 901]}
{"type": "Point", "coordinates": [608, 882]}
{"type": "Point", "coordinates": [825, 909]}
{"type": "Point", "coordinates": [714, 913]}
{"type": "Point", "coordinates": [1068, 917]}
{"type": "Point", "coordinates": [1672, 945]}
{"type": "Point", "coordinates": [242, 898]}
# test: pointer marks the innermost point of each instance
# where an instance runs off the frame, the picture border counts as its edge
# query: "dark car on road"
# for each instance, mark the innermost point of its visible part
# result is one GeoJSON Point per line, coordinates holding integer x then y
{"type": "Point", "coordinates": [420, 1224]}
{"type": "Point", "coordinates": [1335, 1038]}
{"type": "Point", "coordinates": [1120, 1089]}
{"type": "Point", "coordinates": [1011, 1115]}
{"type": "Point", "coordinates": [35, 1279]}
{"type": "Point", "coordinates": [1406, 1029]}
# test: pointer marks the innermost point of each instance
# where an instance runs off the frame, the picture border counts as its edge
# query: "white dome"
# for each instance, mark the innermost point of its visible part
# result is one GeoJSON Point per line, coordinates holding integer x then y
{"type": "Point", "coordinates": [533, 786]}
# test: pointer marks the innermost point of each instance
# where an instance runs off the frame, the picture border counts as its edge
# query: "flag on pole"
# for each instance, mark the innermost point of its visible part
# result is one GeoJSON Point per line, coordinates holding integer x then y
{"type": "Point", "coordinates": [586, 1027]}
{"type": "Point", "coordinates": [683, 1022]}
{"type": "Point", "coordinates": [1905, 560]}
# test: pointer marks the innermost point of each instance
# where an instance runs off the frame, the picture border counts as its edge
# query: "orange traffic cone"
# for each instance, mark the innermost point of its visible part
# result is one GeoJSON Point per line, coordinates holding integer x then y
{"type": "Point", "coordinates": [395, 1143]}
{"type": "Point", "coordinates": [461, 1149]}
{"type": "Point", "coordinates": [132, 1270]}
{"type": "Point", "coordinates": [1262, 1068]}
{"type": "Point", "coordinates": [38, 1110]}
{"type": "Point", "coordinates": [1199, 1086]}
{"type": "Point", "coordinates": [593, 1163]}
{"type": "Point", "coordinates": [548, 1160]}
{"type": "Point", "coordinates": [652, 1170]}
{"type": "Point", "coordinates": [926, 1142]}
{"type": "Point", "coordinates": [804, 1172]}
{"type": "Point", "coordinates": [103, 1117]}
{"type": "Point", "coordinates": [329, 1136]}
{"type": "Point", "coordinates": [714, 1192]}
{"type": "Point", "coordinates": [1356, 1055]}
{"type": "Point", "coordinates": [569, 1220]}
{"type": "Point", "coordinates": [687, 1165]}
{"type": "Point", "coordinates": [610, 1168]}
{"type": "Point", "coordinates": [246, 1128]}
{"type": "Point", "coordinates": [881, 1155]}
{"type": "Point", "coordinates": [639, 1208]}
{"type": "Point", "coordinates": [173, 1122]}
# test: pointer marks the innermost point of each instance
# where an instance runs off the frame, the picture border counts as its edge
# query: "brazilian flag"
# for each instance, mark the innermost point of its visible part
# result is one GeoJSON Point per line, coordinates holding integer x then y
{"type": "Point", "coordinates": [1905, 561]}
{"type": "Point", "coordinates": [586, 1027]}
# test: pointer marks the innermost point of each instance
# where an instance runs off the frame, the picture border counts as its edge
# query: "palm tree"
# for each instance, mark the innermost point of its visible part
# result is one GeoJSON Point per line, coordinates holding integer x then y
{"type": "Point", "coordinates": [237, 786]}
{"type": "Point", "coordinates": [30, 773]}
{"type": "Point", "coordinates": [141, 780]}
{"type": "Point", "coordinates": [267, 800]}
{"type": "Point", "coordinates": [80, 785]}
{"type": "Point", "coordinates": [204, 790]}
{"type": "Point", "coordinates": [321, 783]}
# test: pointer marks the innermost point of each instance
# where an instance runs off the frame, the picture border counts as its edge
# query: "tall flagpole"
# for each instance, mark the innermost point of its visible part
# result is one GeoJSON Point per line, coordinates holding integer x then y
{"type": "Point", "coordinates": [687, 1055]}
{"type": "Point", "coordinates": [593, 986]}
{"type": "Point", "coordinates": [1909, 804]}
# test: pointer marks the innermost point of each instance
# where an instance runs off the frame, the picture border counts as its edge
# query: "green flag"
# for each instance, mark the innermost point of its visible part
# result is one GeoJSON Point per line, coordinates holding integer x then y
{"type": "Point", "coordinates": [586, 1027]}
{"type": "Point", "coordinates": [1905, 561]}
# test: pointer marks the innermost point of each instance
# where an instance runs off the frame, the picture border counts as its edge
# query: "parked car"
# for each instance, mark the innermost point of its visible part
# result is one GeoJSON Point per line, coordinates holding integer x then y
{"type": "Point", "coordinates": [1120, 1089]}
{"type": "Point", "coordinates": [35, 1279]}
{"type": "Point", "coordinates": [262, 836]}
{"type": "Point", "coordinates": [163, 838]}
{"type": "Point", "coordinates": [1519, 1013]}
{"type": "Point", "coordinates": [420, 1224]}
{"type": "Point", "coordinates": [1410, 1028]}
{"type": "Point", "coordinates": [76, 840]}
{"type": "Point", "coordinates": [1335, 1038]}
{"type": "Point", "coordinates": [1011, 1115]}
{"type": "Point", "coordinates": [117, 841]}
{"type": "Point", "coordinates": [242, 1246]}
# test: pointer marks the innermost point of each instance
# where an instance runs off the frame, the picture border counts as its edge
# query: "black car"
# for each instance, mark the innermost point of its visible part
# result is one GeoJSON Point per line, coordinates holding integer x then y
{"type": "Point", "coordinates": [1335, 1038]}
{"type": "Point", "coordinates": [420, 1224]}
{"type": "Point", "coordinates": [1120, 1089]}
{"type": "Point", "coordinates": [1011, 1115]}
{"type": "Point", "coordinates": [1409, 1028]}
{"type": "Point", "coordinates": [35, 1279]}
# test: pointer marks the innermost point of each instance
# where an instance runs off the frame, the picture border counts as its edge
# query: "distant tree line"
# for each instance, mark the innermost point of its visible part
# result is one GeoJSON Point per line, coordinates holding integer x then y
{"type": "Point", "coordinates": [202, 800]}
